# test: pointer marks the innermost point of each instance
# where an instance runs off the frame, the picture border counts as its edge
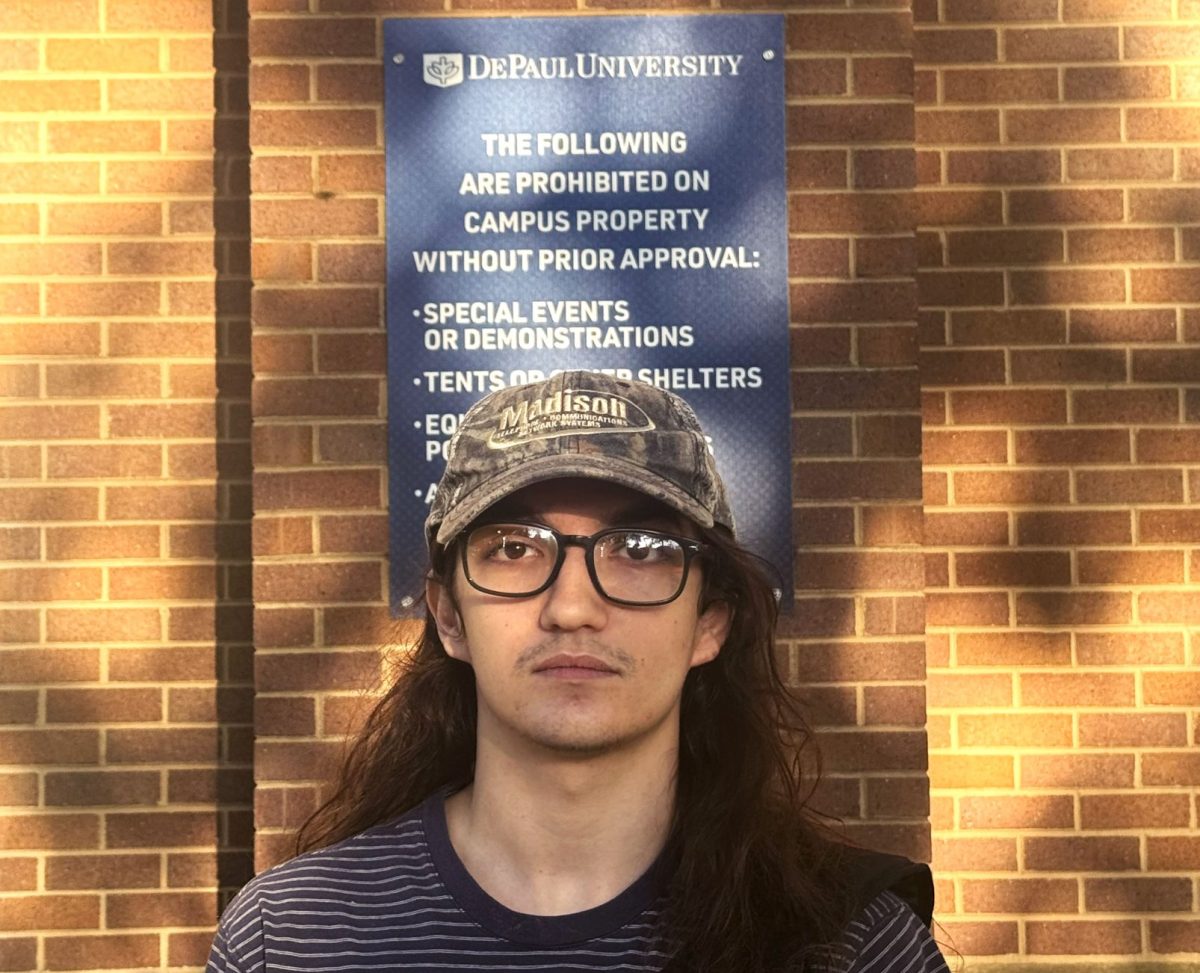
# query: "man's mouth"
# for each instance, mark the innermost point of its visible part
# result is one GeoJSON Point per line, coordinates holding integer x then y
{"type": "Point", "coordinates": [568, 666]}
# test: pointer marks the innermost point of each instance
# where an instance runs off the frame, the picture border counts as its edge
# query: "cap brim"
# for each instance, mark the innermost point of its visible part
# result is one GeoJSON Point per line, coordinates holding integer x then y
{"type": "Point", "coordinates": [610, 469]}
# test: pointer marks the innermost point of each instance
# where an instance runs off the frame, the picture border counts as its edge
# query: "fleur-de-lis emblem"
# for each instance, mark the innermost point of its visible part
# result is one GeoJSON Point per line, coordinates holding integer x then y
{"type": "Point", "coordinates": [443, 70]}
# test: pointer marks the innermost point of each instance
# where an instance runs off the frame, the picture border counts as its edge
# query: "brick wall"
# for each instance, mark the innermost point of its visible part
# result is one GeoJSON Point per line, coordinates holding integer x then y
{"type": "Point", "coordinates": [855, 639]}
{"type": "Point", "coordinates": [124, 467]}
{"type": "Point", "coordinates": [1051, 166]}
{"type": "Point", "coordinates": [1059, 150]}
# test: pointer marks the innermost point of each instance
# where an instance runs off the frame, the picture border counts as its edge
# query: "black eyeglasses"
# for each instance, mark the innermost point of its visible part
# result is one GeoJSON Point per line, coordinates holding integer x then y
{"type": "Point", "coordinates": [628, 565]}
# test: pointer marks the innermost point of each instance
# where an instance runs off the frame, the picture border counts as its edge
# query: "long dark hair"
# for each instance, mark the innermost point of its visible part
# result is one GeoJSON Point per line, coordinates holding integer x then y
{"type": "Point", "coordinates": [755, 881]}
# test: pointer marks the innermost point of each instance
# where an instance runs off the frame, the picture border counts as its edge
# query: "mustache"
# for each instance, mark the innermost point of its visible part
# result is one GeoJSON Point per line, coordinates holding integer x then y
{"type": "Point", "coordinates": [618, 659]}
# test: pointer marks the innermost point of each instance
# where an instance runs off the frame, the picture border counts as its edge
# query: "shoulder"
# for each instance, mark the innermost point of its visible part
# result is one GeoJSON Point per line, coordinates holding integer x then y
{"type": "Point", "coordinates": [379, 848]}
{"type": "Point", "coordinates": [379, 856]}
{"type": "Point", "coordinates": [887, 936]}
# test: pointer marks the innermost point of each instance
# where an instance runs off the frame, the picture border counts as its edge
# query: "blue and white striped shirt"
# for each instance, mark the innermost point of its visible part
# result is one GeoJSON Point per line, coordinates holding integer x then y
{"type": "Point", "coordinates": [396, 897]}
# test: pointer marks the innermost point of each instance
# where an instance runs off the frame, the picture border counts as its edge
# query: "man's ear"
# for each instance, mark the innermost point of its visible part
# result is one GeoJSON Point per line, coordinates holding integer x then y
{"type": "Point", "coordinates": [712, 628]}
{"type": "Point", "coordinates": [448, 621]}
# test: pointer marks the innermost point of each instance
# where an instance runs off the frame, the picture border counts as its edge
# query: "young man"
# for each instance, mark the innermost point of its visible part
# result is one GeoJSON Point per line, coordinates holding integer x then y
{"type": "Point", "coordinates": [589, 762]}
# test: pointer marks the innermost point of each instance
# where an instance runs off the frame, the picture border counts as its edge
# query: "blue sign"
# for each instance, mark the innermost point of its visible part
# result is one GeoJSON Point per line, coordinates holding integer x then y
{"type": "Point", "coordinates": [604, 193]}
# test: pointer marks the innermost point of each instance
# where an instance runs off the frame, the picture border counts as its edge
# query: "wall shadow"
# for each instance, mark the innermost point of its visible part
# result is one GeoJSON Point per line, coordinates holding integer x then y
{"type": "Point", "coordinates": [233, 611]}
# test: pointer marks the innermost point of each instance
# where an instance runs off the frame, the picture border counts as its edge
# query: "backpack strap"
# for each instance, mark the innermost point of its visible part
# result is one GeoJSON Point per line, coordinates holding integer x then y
{"type": "Point", "coordinates": [870, 873]}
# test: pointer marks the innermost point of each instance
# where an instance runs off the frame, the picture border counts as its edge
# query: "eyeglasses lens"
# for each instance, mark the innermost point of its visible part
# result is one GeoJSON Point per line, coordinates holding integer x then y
{"type": "Point", "coordinates": [635, 566]}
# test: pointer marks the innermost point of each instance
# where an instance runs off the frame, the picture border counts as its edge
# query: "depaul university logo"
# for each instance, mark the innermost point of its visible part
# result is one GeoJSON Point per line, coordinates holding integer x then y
{"type": "Point", "coordinates": [443, 70]}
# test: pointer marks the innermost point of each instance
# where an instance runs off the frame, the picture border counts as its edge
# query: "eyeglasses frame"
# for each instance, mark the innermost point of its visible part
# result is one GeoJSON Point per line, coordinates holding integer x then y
{"type": "Point", "coordinates": [691, 549]}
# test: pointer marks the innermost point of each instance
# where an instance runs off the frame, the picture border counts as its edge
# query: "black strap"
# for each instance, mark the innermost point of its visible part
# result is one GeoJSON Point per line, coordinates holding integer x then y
{"type": "Point", "coordinates": [871, 873]}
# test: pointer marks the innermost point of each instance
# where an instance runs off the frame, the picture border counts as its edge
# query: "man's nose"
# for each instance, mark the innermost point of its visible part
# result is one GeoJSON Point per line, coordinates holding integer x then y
{"type": "Point", "coordinates": [572, 601]}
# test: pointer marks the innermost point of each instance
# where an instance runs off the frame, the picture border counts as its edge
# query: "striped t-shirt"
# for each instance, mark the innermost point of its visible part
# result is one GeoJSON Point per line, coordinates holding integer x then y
{"type": "Point", "coordinates": [397, 897]}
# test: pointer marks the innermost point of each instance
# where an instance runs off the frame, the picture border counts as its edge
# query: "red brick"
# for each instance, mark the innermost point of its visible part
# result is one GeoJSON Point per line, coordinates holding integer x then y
{"type": "Point", "coordinates": [167, 581]}
{"type": "Point", "coordinates": [1137, 895]}
{"type": "Point", "coordinates": [1013, 568]}
{"type": "Point", "coordinates": [169, 502]}
{"type": "Point", "coordinates": [1119, 84]}
{"type": "Point", "coordinates": [160, 909]}
{"type": "Point", "coordinates": [101, 952]}
{"type": "Point", "coordinates": [50, 421]}
{"type": "Point", "coordinates": [1130, 567]}
{"type": "Point", "coordinates": [1164, 285]}
{"type": "Point", "coordinates": [1012, 730]}
{"type": "Point", "coordinates": [1077, 446]}
{"type": "Point", "coordinates": [1067, 286]}
{"type": "Point", "coordinates": [1169, 42]}
{"type": "Point", "coordinates": [50, 259]}
{"type": "Point", "coordinates": [970, 771]}
{"type": "Point", "coordinates": [1134, 811]}
{"type": "Point", "coordinates": [351, 535]}
{"type": "Point", "coordinates": [1021, 895]}
{"type": "Point", "coordinates": [1074, 770]}
{"type": "Point", "coordinates": [1172, 853]}
{"type": "Point", "coordinates": [851, 212]}
{"type": "Point", "coordinates": [1007, 406]}
{"type": "Point", "coordinates": [956, 46]}
{"type": "Point", "coordinates": [1130, 648]}
{"type": "Point", "coordinates": [1038, 528]}
{"type": "Point", "coordinates": [316, 218]}
{"type": "Point", "coordinates": [982, 608]}
{"type": "Point", "coordinates": [1119, 164]}
{"type": "Point", "coordinates": [966, 529]}
{"type": "Point", "coordinates": [980, 938]}
{"type": "Point", "coordinates": [1000, 10]}
{"type": "Point", "coordinates": [1005, 247]}
{"type": "Point", "coordinates": [957, 126]}
{"type": "Point", "coordinates": [1179, 936]}
{"type": "Point", "coordinates": [1133, 406]}
{"type": "Point", "coordinates": [1072, 365]}
{"type": "Point", "coordinates": [279, 83]}
{"type": "Point", "coordinates": [1022, 813]}
{"type": "Point", "coordinates": [1132, 730]}
{"type": "Point", "coordinates": [1091, 854]}
{"type": "Point", "coordinates": [1171, 769]}
{"type": "Point", "coordinates": [1074, 608]}
{"type": "Point", "coordinates": [1020, 486]}
{"type": "Point", "coordinates": [889, 435]}
{"type": "Point", "coordinates": [1082, 689]}
{"type": "Point", "coordinates": [319, 127]}
{"type": "Point", "coordinates": [43, 832]}
{"type": "Point", "coordinates": [283, 535]}
{"type": "Point", "coordinates": [850, 32]}
{"type": "Point", "coordinates": [1083, 937]}
{"type": "Point", "coordinates": [887, 76]}
{"type": "Point", "coordinates": [50, 584]}
{"type": "Point", "coordinates": [959, 206]}
{"type": "Point", "coordinates": [20, 544]}
{"type": "Point", "coordinates": [341, 37]}
{"type": "Point", "coordinates": [1171, 206]}
{"type": "Point", "coordinates": [159, 829]}
{"type": "Point", "coordinates": [102, 788]}
{"type": "Point", "coordinates": [18, 875]}
{"type": "Point", "coordinates": [1121, 246]}
{"type": "Point", "coordinates": [71, 16]}
{"type": "Point", "coordinates": [1011, 649]}
{"type": "Point", "coordinates": [1168, 526]}
{"type": "Point", "coordinates": [866, 479]}
{"type": "Point", "coordinates": [20, 462]}
{"type": "Point", "coordinates": [103, 705]}
{"type": "Point", "coordinates": [996, 86]}
{"type": "Point", "coordinates": [1129, 486]}
{"type": "Point", "coordinates": [1008, 328]}
{"type": "Point", "coordinates": [154, 421]}
{"type": "Point", "coordinates": [18, 707]}
{"type": "Point", "coordinates": [1116, 9]}
{"type": "Point", "coordinates": [46, 912]}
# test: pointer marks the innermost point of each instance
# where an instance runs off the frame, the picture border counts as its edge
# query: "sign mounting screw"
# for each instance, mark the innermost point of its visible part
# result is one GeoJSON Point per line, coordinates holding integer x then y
{"type": "Point", "coordinates": [397, 58]}
{"type": "Point", "coordinates": [768, 55]}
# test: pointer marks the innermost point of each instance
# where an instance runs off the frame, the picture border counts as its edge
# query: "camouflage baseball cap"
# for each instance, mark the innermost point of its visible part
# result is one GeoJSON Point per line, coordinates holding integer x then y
{"type": "Point", "coordinates": [578, 423]}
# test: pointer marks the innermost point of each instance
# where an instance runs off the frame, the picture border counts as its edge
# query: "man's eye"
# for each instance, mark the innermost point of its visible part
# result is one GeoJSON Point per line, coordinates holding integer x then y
{"type": "Point", "coordinates": [641, 547]}
{"type": "Point", "coordinates": [513, 550]}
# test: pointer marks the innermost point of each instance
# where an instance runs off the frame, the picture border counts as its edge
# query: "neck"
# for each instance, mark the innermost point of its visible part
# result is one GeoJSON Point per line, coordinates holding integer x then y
{"type": "Point", "coordinates": [563, 833]}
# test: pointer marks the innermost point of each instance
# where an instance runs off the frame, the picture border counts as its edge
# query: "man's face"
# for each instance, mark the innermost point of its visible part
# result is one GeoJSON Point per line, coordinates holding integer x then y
{"type": "Point", "coordinates": [567, 670]}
